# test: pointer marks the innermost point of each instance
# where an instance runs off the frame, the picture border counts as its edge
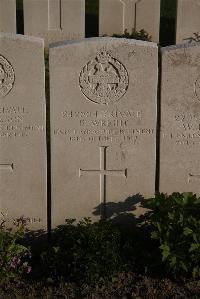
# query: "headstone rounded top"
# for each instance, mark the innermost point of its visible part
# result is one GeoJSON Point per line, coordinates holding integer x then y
{"type": "Point", "coordinates": [20, 37]}
{"type": "Point", "coordinates": [180, 46]}
{"type": "Point", "coordinates": [103, 40]}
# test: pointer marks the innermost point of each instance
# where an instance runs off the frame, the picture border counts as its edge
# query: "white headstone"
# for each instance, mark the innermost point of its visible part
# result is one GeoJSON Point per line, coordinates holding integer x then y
{"type": "Point", "coordinates": [180, 119]}
{"type": "Point", "coordinates": [8, 16]}
{"type": "Point", "coordinates": [22, 130]}
{"type": "Point", "coordinates": [103, 118]}
{"type": "Point", "coordinates": [116, 16]}
{"type": "Point", "coordinates": [188, 20]}
{"type": "Point", "coordinates": [55, 20]}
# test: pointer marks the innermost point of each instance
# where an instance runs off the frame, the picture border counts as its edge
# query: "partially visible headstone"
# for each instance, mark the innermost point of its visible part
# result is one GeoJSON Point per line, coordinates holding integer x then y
{"type": "Point", "coordinates": [188, 20]}
{"type": "Point", "coordinates": [116, 16]}
{"type": "Point", "coordinates": [22, 130]}
{"type": "Point", "coordinates": [8, 16]}
{"type": "Point", "coordinates": [111, 17]}
{"type": "Point", "coordinates": [103, 118]}
{"type": "Point", "coordinates": [180, 119]}
{"type": "Point", "coordinates": [148, 17]}
{"type": "Point", "coordinates": [55, 20]}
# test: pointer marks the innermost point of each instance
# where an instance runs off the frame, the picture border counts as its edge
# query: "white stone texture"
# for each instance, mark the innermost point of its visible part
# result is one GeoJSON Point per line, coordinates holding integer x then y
{"type": "Point", "coordinates": [116, 16]}
{"type": "Point", "coordinates": [180, 119]}
{"type": "Point", "coordinates": [54, 20]}
{"type": "Point", "coordinates": [103, 126]}
{"type": "Point", "coordinates": [8, 16]}
{"type": "Point", "coordinates": [22, 130]}
{"type": "Point", "coordinates": [188, 20]}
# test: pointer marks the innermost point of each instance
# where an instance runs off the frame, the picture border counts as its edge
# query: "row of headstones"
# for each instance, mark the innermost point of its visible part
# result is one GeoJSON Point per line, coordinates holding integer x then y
{"type": "Point", "coordinates": [56, 20]}
{"type": "Point", "coordinates": [103, 102]}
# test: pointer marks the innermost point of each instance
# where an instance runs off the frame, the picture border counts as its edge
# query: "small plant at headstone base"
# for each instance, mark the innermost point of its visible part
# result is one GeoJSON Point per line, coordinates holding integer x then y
{"type": "Point", "coordinates": [87, 252]}
{"type": "Point", "coordinates": [139, 35]}
{"type": "Point", "coordinates": [14, 257]}
{"type": "Point", "coordinates": [176, 225]}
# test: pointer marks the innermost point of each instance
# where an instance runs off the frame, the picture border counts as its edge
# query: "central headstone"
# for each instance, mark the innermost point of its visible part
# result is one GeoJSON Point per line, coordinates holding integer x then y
{"type": "Point", "coordinates": [54, 20]}
{"type": "Point", "coordinates": [103, 117]}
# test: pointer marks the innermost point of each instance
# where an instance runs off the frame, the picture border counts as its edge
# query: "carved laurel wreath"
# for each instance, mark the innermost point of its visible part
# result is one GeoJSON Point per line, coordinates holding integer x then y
{"type": "Point", "coordinates": [7, 76]}
{"type": "Point", "coordinates": [104, 79]}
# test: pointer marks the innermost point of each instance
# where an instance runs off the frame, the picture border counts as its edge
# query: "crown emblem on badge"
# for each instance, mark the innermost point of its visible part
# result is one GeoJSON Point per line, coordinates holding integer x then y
{"type": "Point", "coordinates": [103, 56]}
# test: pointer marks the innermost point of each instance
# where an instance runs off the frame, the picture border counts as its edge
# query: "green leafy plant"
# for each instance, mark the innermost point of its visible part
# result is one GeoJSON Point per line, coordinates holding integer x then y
{"type": "Point", "coordinates": [85, 251]}
{"type": "Point", "coordinates": [14, 257]}
{"type": "Point", "coordinates": [139, 35]}
{"type": "Point", "coordinates": [176, 222]}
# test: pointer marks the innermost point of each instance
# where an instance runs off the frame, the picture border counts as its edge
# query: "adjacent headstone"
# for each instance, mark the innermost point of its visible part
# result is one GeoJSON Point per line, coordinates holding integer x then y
{"type": "Point", "coordinates": [22, 130]}
{"type": "Point", "coordinates": [188, 20]}
{"type": "Point", "coordinates": [116, 16]}
{"type": "Point", "coordinates": [8, 16]}
{"type": "Point", "coordinates": [180, 119]}
{"type": "Point", "coordinates": [148, 17]}
{"type": "Point", "coordinates": [103, 122]}
{"type": "Point", "coordinates": [55, 20]}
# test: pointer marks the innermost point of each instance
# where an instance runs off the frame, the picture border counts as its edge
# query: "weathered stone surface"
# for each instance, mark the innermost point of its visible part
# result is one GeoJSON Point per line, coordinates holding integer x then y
{"type": "Point", "coordinates": [54, 20]}
{"type": "Point", "coordinates": [148, 17]}
{"type": "Point", "coordinates": [22, 129]}
{"type": "Point", "coordinates": [103, 118]}
{"type": "Point", "coordinates": [117, 15]}
{"type": "Point", "coordinates": [109, 25]}
{"type": "Point", "coordinates": [188, 20]}
{"type": "Point", "coordinates": [8, 16]}
{"type": "Point", "coordinates": [180, 119]}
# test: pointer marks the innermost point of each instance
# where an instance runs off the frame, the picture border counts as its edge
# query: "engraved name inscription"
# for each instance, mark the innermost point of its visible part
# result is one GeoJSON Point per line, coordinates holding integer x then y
{"type": "Point", "coordinates": [10, 220]}
{"type": "Point", "coordinates": [127, 114]}
{"type": "Point", "coordinates": [104, 126]}
{"type": "Point", "coordinates": [17, 121]}
{"type": "Point", "coordinates": [187, 129]}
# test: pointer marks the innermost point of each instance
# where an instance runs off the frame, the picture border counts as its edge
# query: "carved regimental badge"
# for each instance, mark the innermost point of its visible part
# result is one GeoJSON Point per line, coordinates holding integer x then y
{"type": "Point", "coordinates": [104, 80]}
{"type": "Point", "coordinates": [7, 76]}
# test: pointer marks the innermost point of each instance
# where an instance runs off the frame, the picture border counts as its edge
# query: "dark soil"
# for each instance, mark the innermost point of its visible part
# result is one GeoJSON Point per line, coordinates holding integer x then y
{"type": "Point", "coordinates": [125, 286]}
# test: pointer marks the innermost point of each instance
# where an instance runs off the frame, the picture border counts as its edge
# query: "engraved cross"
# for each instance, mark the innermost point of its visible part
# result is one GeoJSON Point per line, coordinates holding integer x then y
{"type": "Point", "coordinates": [104, 78]}
{"type": "Point", "coordinates": [103, 172]}
{"type": "Point", "coordinates": [129, 14]}
{"type": "Point", "coordinates": [193, 176]}
{"type": "Point", "coordinates": [7, 166]}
